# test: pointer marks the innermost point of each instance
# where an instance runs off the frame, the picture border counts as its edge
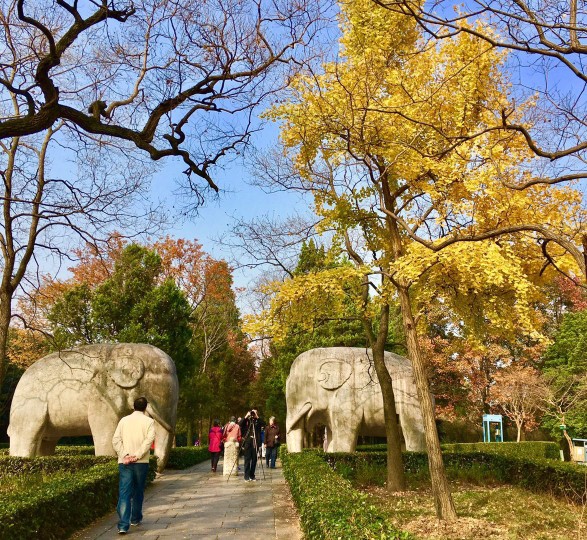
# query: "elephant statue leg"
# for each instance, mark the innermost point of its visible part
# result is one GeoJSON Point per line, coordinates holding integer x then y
{"type": "Point", "coordinates": [295, 440]}
{"type": "Point", "coordinates": [103, 424]}
{"type": "Point", "coordinates": [413, 433]}
{"type": "Point", "coordinates": [328, 438]}
{"type": "Point", "coordinates": [344, 433]}
{"type": "Point", "coordinates": [26, 431]}
{"type": "Point", "coordinates": [163, 442]}
{"type": "Point", "coordinates": [47, 447]}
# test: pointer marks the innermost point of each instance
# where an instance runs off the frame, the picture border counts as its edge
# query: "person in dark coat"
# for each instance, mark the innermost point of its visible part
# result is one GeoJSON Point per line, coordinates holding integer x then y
{"type": "Point", "coordinates": [214, 441]}
{"type": "Point", "coordinates": [272, 442]}
{"type": "Point", "coordinates": [251, 426]}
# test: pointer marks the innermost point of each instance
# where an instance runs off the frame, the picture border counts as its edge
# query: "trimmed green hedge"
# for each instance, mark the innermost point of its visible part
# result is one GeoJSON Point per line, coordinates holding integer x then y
{"type": "Point", "coordinates": [566, 480]}
{"type": "Point", "coordinates": [61, 451]}
{"type": "Point", "coordinates": [372, 448]}
{"type": "Point", "coordinates": [183, 457]}
{"type": "Point", "coordinates": [330, 508]}
{"type": "Point", "coordinates": [10, 465]}
{"type": "Point", "coordinates": [529, 449]}
{"type": "Point", "coordinates": [74, 450]}
{"type": "Point", "coordinates": [56, 508]}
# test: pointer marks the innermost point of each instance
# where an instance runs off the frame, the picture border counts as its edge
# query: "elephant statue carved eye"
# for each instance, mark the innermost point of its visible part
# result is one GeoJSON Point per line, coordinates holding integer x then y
{"type": "Point", "coordinates": [126, 371]}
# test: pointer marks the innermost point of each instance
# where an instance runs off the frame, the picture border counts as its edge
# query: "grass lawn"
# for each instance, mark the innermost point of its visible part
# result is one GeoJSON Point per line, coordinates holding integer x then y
{"type": "Point", "coordinates": [490, 511]}
{"type": "Point", "coordinates": [486, 508]}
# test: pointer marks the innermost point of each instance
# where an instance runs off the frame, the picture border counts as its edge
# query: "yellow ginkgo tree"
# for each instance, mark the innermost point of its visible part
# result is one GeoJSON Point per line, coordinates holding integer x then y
{"type": "Point", "coordinates": [425, 219]}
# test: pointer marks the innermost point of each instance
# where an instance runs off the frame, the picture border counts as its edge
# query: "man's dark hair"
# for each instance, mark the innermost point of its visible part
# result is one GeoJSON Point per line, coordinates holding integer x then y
{"type": "Point", "coordinates": [140, 404]}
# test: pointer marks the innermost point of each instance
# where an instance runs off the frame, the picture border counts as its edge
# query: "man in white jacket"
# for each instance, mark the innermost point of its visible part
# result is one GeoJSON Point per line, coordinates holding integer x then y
{"type": "Point", "coordinates": [132, 441]}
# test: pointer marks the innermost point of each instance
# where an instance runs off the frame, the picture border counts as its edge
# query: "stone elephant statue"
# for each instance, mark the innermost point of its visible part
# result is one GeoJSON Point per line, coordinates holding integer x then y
{"type": "Point", "coordinates": [86, 391]}
{"type": "Point", "coordinates": [338, 387]}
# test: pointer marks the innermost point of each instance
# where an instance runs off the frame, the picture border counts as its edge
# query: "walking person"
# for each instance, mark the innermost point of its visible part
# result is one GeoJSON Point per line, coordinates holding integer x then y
{"type": "Point", "coordinates": [214, 443]}
{"type": "Point", "coordinates": [232, 438]}
{"type": "Point", "coordinates": [251, 429]}
{"type": "Point", "coordinates": [272, 442]}
{"type": "Point", "coordinates": [132, 441]}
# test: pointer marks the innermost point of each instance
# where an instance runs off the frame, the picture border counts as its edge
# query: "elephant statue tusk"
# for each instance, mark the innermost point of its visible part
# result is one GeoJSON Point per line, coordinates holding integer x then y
{"type": "Point", "coordinates": [305, 409]}
{"type": "Point", "coordinates": [157, 417]}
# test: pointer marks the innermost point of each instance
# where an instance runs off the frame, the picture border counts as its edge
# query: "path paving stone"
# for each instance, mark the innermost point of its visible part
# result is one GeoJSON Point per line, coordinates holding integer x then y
{"type": "Point", "coordinates": [195, 503]}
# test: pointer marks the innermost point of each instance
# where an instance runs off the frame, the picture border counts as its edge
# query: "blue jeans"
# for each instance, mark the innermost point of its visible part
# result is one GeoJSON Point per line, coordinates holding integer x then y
{"type": "Point", "coordinates": [131, 489]}
{"type": "Point", "coordinates": [271, 454]}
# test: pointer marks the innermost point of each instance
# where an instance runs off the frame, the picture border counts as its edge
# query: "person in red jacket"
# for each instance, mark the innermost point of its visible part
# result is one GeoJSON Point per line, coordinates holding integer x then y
{"type": "Point", "coordinates": [214, 440]}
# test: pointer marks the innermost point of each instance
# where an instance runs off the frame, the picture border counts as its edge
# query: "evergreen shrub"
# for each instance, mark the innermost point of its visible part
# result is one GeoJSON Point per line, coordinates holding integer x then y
{"type": "Point", "coordinates": [330, 508]}
{"type": "Point", "coordinates": [529, 449]}
{"type": "Point", "coordinates": [186, 456]}
{"type": "Point", "coordinates": [565, 480]}
{"type": "Point", "coordinates": [11, 465]}
{"type": "Point", "coordinates": [56, 508]}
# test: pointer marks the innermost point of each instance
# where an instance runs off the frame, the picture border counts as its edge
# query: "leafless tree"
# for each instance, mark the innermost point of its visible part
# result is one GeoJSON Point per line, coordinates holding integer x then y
{"type": "Point", "coordinates": [520, 392]}
{"type": "Point", "coordinates": [44, 215]}
{"type": "Point", "coordinates": [172, 78]}
{"type": "Point", "coordinates": [58, 189]}
{"type": "Point", "coordinates": [268, 241]}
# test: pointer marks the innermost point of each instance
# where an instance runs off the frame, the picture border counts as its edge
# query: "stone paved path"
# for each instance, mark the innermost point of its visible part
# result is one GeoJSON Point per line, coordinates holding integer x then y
{"type": "Point", "coordinates": [195, 503]}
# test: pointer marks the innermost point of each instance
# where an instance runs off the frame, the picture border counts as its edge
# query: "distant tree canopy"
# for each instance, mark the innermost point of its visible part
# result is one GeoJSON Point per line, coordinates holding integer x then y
{"type": "Point", "coordinates": [170, 294]}
{"type": "Point", "coordinates": [565, 370]}
{"type": "Point", "coordinates": [132, 305]}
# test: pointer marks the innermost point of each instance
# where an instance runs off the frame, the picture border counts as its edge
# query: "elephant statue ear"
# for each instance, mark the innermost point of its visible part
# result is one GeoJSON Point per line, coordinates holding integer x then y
{"type": "Point", "coordinates": [332, 374]}
{"type": "Point", "coordinates": [125, 368]}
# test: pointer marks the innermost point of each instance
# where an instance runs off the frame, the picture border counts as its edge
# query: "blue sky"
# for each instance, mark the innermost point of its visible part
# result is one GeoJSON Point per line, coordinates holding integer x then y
{"type": "Point", "coordinates": [238, 199]}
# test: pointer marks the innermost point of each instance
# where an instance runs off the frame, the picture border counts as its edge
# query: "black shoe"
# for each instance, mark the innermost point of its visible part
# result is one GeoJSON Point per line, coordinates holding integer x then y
{"type": "Point", "coordinates": [120, 531]}
{"type": "Point", "coordinates": [135, 524]}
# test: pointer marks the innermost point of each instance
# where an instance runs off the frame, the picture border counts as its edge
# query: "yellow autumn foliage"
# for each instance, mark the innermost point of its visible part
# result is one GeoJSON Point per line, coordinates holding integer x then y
{"type": "Point", "coordinates": [383, 138]}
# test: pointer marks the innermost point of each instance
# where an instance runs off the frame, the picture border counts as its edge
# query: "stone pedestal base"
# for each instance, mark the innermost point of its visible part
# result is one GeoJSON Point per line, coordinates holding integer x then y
{"type": "Point", "coordinates": [230, 464]}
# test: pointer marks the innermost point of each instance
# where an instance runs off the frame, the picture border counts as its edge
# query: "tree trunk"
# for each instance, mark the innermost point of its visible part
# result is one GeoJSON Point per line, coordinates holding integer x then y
{"type": "Point", "coordinates": [190, 434]}
{"type": "Point", "coordinates": [445, 508]}
{"type": "Point", "coordinates": [396, 479]}
{"type": "Point", "coordinates": [5, 316]}
{"type": "Point", "coordinates": [519, 426]}
{"type": "Point", "coordinates": [570, 443]}
{"type": "Point", "coordinates": [443, 501]}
